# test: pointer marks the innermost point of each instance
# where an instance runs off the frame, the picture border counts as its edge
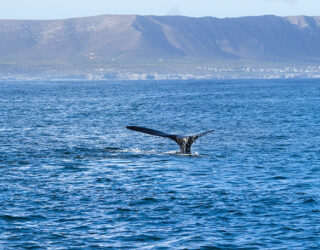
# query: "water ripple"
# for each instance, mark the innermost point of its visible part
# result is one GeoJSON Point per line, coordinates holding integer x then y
{"type": "Point", "coordinates": [72, 176]}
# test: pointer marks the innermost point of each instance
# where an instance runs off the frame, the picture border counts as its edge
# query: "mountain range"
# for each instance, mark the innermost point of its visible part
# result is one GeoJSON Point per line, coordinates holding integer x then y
{"type": "Point", "coordinates": [127, 37]}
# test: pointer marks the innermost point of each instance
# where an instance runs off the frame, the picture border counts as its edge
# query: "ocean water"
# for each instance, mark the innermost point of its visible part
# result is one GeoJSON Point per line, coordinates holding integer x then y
{"type": "Point", "coordinates": [73, 177]}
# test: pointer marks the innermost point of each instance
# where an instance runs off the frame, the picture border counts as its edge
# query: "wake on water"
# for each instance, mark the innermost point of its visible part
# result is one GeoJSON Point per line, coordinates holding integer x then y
{"type": "Point", "coordinates": [149, 152]}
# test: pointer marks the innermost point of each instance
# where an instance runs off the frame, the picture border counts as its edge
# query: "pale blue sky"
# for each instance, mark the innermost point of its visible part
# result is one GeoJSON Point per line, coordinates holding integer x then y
{"type": "Point", "coordinates": [51, 9]}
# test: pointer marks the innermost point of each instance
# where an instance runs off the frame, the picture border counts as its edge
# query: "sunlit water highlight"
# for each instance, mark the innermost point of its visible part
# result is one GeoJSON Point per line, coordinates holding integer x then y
{"type": "Point", "coordinates": [72, 176]}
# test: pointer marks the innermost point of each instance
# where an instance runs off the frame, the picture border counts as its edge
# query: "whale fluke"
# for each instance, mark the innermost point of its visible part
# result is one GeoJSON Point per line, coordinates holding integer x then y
{"type": "Point", "coordinates": [184, 142]}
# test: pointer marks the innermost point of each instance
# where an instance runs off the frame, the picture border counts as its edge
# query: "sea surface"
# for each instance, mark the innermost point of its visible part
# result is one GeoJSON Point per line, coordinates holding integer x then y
{"type": "Point", "coordinates": [73, 177]}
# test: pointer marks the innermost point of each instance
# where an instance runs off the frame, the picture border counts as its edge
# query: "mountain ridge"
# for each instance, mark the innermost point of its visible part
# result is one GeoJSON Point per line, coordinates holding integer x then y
{"type": "Point", "coordinates": [136, 37]}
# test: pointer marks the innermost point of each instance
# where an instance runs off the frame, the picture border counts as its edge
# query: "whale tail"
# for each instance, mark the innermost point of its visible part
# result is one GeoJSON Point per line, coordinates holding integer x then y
{"type": "Point", "coordinates": [184, 142]}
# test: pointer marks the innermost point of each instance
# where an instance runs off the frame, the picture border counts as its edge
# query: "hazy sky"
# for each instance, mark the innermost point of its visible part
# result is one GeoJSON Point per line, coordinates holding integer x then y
{"type": "Point", "coordinates": [50, 9]}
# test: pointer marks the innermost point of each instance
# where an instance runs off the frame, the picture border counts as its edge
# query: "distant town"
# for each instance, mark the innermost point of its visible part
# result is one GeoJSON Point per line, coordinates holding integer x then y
{"type": "Point", "coordinates": [182, 73]}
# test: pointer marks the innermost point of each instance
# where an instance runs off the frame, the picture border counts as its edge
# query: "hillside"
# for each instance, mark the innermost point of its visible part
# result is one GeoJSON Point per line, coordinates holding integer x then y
{"type": "Point", "coordinates": [266, 38]}
{"type": "Point", "coordinates": [134, 47]}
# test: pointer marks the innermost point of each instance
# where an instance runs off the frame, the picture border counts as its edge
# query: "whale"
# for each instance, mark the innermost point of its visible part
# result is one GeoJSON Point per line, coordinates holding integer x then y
{"type": "Point", "coordinates": [183, 141]}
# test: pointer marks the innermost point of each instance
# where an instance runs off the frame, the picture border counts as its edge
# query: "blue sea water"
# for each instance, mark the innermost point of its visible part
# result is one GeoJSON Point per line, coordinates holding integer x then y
{"type": "Point", "coordinates": [72, 176]}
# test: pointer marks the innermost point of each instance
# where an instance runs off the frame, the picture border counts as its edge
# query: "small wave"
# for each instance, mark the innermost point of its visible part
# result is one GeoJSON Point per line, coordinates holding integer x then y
{"type": "Point", "coordinates": [279, 177]}
{"type": "Point", "coordinates": [139, 151]}
{"type": "Point", "coordinates": [10, 218]}
{"type": "Point", "coordinates": [195, 154]}
{"type": "Point", "coordinates": [149, 152]}
{"type": "Point", "coordinates": [130, 150]}
{"type": "Point", "coordinates": [309, 200]}
{"type": "Point", "coordinates": [111, 149]}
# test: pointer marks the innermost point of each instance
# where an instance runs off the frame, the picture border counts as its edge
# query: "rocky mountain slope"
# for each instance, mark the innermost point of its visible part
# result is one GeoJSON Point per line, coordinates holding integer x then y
{"type": "Point", "coordinates": [112, 37]}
